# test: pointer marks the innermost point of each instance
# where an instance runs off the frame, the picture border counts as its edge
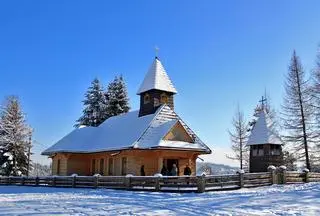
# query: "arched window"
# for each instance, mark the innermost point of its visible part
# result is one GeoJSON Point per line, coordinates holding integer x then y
{"type": "Point", "coordinates": [164, 98]}
{"type": "Point", "coordinates": [146, 99]}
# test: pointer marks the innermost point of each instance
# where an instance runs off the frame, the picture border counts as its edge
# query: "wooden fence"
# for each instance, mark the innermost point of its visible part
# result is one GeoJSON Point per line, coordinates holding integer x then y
{"type": "Point", "coordinates": [168, 183]}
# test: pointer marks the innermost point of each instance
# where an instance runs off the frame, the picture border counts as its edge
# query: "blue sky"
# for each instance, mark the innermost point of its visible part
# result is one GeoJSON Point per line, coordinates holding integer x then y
{"type": "Point", "coordinates": [218, 54]}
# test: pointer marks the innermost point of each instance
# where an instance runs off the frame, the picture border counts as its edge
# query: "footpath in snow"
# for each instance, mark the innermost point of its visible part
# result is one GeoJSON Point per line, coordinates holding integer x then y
{"type": "Point", "coordinates": [302, 199]}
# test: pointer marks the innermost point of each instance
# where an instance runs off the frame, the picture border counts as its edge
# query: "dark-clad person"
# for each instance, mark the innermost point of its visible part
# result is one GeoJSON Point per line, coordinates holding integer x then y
{"type": "Point", "coordinates": [142, 173]}
{"type": "Point", "coordinates": [164, 170]}
{"type": "Point", "coordinates": [187, 170]}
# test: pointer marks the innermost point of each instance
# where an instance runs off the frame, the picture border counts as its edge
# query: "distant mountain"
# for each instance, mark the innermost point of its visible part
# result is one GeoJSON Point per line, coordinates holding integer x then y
{"type": "Point", "coordinates": [215, 169]}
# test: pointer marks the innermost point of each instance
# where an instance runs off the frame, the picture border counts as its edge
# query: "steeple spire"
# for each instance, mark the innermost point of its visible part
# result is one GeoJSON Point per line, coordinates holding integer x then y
{"type": "Point", "coordinates": [157, 79]}
{"type": "Point", "coordinates": [262, 131]}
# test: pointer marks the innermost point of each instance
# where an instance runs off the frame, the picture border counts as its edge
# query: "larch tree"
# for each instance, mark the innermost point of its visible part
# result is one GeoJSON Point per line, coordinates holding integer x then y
{"type": "Point", "coordinates": [95, 106]}
{"type": "Point", "coordinates": [14, 139]}
{"type": "Point", "coordinates": [238, 137]}
{"type": "Point", "coordinates": [316, 104]}
{"type": "Point", "coordinates": [297, 111]}
{"type": "Point", "coordinates": [117, 97]}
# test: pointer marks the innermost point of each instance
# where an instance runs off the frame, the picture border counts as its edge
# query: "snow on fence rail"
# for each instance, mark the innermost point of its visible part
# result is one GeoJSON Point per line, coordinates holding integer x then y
{"type": "Point", "coordinates": [168, 183]}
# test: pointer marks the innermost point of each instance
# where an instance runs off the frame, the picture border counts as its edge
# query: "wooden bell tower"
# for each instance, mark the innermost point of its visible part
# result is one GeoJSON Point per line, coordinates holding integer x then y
{"type": "Point", "coordinates": [156, 89]}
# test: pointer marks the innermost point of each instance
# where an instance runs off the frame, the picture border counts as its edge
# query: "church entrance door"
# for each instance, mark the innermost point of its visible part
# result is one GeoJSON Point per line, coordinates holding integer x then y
{"type": "Point", "coordinates": [170, 163]}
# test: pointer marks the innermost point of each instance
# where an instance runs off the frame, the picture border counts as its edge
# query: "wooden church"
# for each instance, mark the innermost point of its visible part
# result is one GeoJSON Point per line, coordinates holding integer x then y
{"type": "Point", "coordinates": [264, 142]}
{"type": "Point", "coordinates": [148, 139]}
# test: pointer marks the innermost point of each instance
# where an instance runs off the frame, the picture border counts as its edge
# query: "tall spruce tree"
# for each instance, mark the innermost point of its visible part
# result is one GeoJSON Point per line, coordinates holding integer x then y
{"type": "Point", "coordinates": [95, 106]}
{"type": "Point", "coordinates": [297, 111]}
{"type": "Point", "coordinates": [117, 97]}
{"type": "Point", "coordinates": [238, 136]}
{"type": "Point", "coordinates": [14, 139]}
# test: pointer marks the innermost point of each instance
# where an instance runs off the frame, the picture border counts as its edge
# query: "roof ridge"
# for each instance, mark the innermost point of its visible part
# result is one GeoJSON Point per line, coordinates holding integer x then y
{"type": "Point", "coordinates": [149, 125]}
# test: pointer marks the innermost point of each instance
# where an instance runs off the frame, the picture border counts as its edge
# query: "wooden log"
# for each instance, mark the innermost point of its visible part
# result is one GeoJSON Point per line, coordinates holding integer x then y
{"type": "Point", "coordinates": [223, 184]}
{"type": "Point", "coordinates": [257, 181]}
{"type": "Point", "coordinates": [294, 174]}
{"type": "Point", "coordinates": [314, 179]}
{"type": "Point", "coordinates": [314, 175]}
{"type": "Point", "coordinates": [301, 180]}
{"type": "Point", "coordinates": [248, 176]}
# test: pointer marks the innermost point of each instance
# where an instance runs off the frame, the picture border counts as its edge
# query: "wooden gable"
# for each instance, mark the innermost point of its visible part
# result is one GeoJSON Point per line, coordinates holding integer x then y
{"type": "Point", "coordinates": [178, 133]}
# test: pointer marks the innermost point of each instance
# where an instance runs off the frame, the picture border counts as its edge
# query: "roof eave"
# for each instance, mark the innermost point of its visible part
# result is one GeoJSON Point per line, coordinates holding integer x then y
{"type": "Point", "coordinates": [143, 91]}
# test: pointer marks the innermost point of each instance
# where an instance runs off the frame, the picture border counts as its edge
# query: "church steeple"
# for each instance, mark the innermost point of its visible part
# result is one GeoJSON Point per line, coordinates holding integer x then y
{"type": "Point", "coordinates": [156, 89]}
{"type": "Point", "coordinates": [264, 142]}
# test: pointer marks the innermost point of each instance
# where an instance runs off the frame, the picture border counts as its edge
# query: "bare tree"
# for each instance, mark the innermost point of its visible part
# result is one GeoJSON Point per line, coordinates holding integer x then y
{"type": "Point", "coordinates": [238, 136]}
{"type": "Point", "coordinates": [297, 111]}
{"type": "Point", "coordinates": [316, 103]}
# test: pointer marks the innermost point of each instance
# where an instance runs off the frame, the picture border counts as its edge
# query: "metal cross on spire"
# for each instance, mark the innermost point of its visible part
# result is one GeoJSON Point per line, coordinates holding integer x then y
{"type": "Point", "coordinates": [263, 101]}
{"type": "Point", "coordinates": [156, 48]}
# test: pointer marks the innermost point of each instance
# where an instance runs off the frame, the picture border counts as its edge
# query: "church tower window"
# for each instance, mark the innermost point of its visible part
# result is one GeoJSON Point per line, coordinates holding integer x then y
{"type": "Point", "coordinates": [146, 99]}
{"type": "Point", "coordinates": [164, 98]}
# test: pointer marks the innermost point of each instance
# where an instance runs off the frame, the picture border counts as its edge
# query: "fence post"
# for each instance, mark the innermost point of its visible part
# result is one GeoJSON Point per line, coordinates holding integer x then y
{"type": "Point", "coordinates": [74, 181]}
{"type": "Point", "coordinates": [157, 184]}
{"type": "Point", "coordinates": [54, 181]}
{"type": "Point", "coordinates": [96, 181]}
{"type": "Point", "coordinates": [127, 182]}
{"type": "Point", "coordinates": [306, 175]}
{"type": "Point", "coordinates": [272, 170]}
{"type": "Point", "coordinates": [9, 180]}
{"type": "Point", "coordinates": [241, 178]}
{"type": "Point", "coordinates": [201, 184]}
{"type": "Point", "coordinates": [37, 181]}
{"type": "Point", "coordinates": [22, 180]}
{"type": "Point", "coordinates": [282, 175]}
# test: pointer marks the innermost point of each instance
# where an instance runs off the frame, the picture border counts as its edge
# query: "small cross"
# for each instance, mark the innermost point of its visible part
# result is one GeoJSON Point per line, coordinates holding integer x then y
{"type": "Point", "coordinates": [263, 99]}
{"type": "Point", "coordinates": [157, 51]}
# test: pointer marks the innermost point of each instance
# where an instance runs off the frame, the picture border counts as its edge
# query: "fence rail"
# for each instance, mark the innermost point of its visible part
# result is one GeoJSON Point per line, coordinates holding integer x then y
{"type": "Point", "coordinates": [168, 183]}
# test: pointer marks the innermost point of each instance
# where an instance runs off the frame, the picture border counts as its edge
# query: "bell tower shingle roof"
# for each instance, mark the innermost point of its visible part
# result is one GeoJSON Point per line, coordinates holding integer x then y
{"type": "Point", "coordinates": [157, 79]}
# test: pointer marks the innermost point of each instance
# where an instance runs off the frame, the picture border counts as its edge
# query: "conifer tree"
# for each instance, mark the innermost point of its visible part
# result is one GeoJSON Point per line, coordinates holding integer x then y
{"type": "Point", "coordinates": [238, 136]}
{"type": "Point", "coordinates": [117, 97]}
{"type": "Point", "coordinates": [297, 111]}
{"type": "Point", "coordinates": [95, 106]}
{"type": "Point", "coordinates": [14, 143]}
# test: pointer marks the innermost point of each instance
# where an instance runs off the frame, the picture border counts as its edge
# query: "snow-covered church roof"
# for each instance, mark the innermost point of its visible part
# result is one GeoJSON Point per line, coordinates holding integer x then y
{"type": "Point", "coordinates": [128, 131]}
{"type": "Point", "coordinates": [157, 78]}
{"type": "Point", "coordinates": [262, 131]}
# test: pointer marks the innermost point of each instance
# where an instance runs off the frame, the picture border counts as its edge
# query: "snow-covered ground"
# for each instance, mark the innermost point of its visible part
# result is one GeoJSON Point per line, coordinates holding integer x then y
{"type": "Point", "coordinates": [303, 199]}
